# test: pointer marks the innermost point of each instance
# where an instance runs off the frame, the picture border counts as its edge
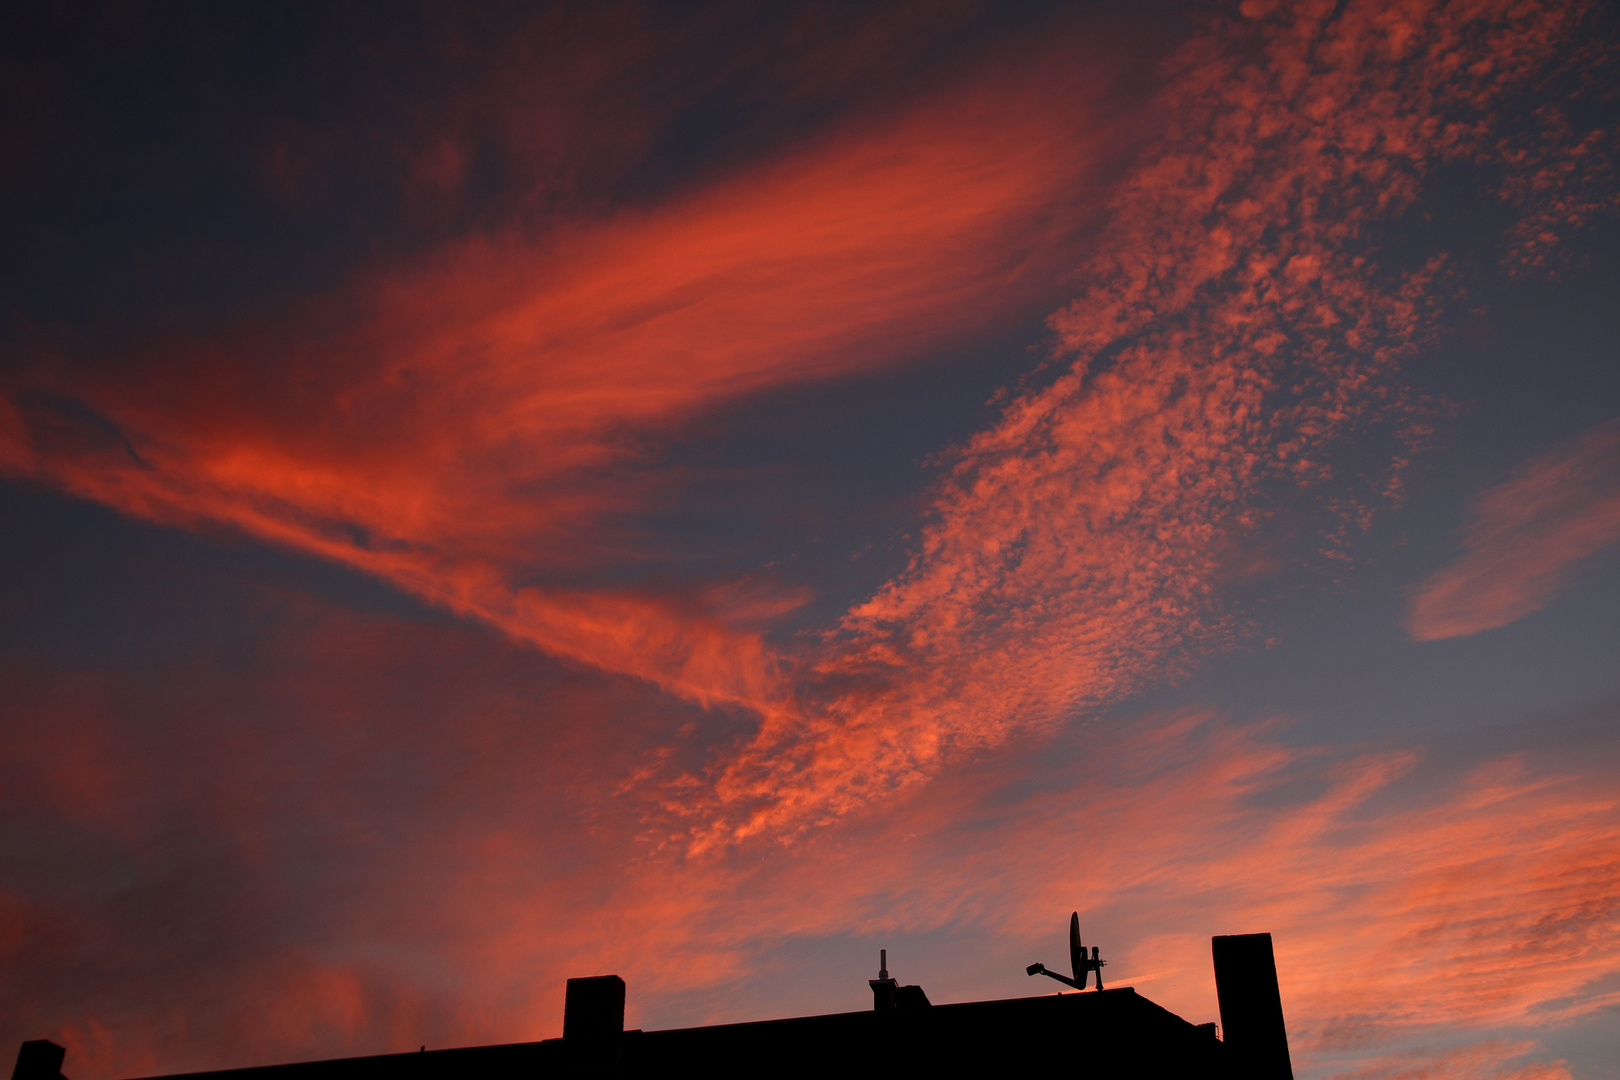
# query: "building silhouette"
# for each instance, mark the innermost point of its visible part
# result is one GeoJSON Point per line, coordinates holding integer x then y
{"type": "Point", "coordinates": [1106, 1033]}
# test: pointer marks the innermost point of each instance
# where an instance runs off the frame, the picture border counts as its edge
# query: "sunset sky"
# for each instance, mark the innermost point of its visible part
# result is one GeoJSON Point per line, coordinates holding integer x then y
{"type": "Point", "coordinates": [493, 493]}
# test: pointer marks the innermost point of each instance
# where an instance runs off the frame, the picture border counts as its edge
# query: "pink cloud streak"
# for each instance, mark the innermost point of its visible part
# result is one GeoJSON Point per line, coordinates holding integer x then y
{"type": "Point", "coordinates": [486, 409]}
{"type": "Point", "coordinates": [1524, 537]}
{"type": "Point", "coordinates": [463, 426]}
{"type": "Point", "coordinates": [1235, 336]}
{"type": "Point", "coordinates": [1462, 908]}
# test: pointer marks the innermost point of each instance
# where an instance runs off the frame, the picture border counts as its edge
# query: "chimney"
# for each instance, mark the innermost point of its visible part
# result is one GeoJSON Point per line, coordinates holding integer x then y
{"type": "Point", "coordinates": [1251, 1007]}
{"type": "Point", "coordinates": [593, 1010]}
{"type": "Point", "coordinates": [39, 1059]}
{"type": "Point", "coordinates": [883, 987]}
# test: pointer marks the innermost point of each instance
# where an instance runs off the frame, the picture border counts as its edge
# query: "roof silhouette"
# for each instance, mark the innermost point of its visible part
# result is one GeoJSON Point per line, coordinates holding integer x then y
{"type": "Point", "coordinates": [1113, 1032]}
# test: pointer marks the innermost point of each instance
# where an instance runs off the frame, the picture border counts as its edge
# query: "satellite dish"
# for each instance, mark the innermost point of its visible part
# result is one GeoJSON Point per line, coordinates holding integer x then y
{"type": "Point", "coordinates": [1077, 951]}
{"type": "Point", "coordinates": [1079, 963]}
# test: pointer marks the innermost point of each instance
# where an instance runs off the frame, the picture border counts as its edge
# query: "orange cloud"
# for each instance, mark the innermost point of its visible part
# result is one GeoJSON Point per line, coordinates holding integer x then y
{"type": "Point", "coordinates": [449, 832]}
{"type": "Point", "coordinates": [463, 427]}
{"type": "Point", "coordinates": [468, 426]}
{"type": "Point", "coordinates": [1524, 537]}
{"type": "Point", "coordinates": [1420, 910]}
{"type": "Point", "coordinates": [1234, 336]}
{"type": "Point", "coordinates": [1489, 1059]}
{"type": "Point", "coordinates": [1561, 180]}
{"type": "Point", "coordinates": [384, 833]}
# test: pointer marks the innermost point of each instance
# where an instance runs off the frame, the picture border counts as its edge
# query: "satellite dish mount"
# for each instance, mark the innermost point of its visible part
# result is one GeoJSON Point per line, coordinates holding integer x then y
{"type": "Point", "coordinates": [1081, 964]}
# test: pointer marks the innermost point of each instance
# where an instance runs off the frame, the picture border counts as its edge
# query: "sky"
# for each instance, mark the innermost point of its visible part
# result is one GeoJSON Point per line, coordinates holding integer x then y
{"type": "Point", "coordinates": [496, 493]}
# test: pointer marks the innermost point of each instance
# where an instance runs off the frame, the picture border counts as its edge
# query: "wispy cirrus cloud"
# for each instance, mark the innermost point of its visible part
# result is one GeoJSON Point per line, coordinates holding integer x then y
{"type": "Point", "coordinates": [1443, 912]}
{"type": "Point", "coordinates": [382, 864]}
{"type": "Point", "coordinates": [1489, 1059]}
{"type": "Point", "coordinates": [1524, 537]}
{"type": "Point", "coordinates": [385, 834]}
{"type": "Point", "coordinates": [1235, 336]}
{"type": "Point", "coordinates": [466, 425]}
